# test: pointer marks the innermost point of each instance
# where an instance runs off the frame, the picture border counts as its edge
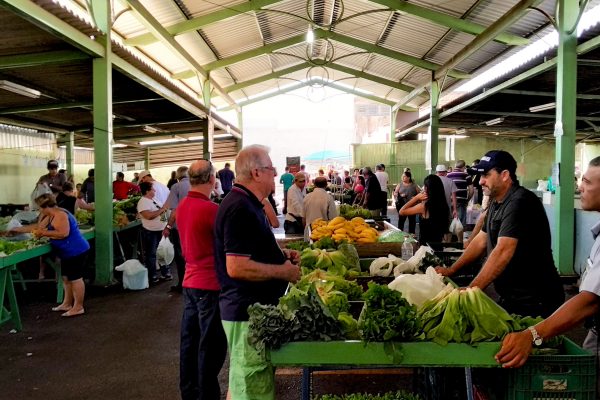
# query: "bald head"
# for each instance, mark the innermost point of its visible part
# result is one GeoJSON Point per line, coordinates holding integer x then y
{"type": "Point", "coordinates": [250, 158]}
{"type": "Point", "coordinates": [201, 173]}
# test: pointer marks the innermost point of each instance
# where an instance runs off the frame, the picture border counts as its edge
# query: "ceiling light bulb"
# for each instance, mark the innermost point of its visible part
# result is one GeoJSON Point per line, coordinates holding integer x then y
{"type": "Point", "coordinates": [20, 89]}
{"type": "Point", "coordinates": [542, 107]}
{"type": "Point", "coordinates": [494, 121]}
{"type": "Point", "coordinates": [310, 36]}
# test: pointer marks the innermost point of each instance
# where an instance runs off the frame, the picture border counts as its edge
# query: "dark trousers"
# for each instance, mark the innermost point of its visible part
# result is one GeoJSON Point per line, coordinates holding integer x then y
{"type": "Point", "coordinates": [203, 345]}
{"type": "Point", "coordinates": [284, 211]}
{"type": "Point", "coordinates": [179, 260]}
{"type": "Point", "coordinates": [294, 227]}
{"type": "Point", "coordinates": [151, 240]}
{"type": "Point", "coordinates": [384, 203]}
{"type": "Point", "coordinates": [412, 222]}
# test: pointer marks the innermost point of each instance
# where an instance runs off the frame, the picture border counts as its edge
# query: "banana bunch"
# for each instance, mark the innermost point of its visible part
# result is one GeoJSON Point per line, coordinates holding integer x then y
{"type": "Point", "coordinates": [340, 229]}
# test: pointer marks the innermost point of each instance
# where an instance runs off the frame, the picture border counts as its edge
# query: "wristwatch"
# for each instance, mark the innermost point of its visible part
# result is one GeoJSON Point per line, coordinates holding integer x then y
{"type": "Point", "coordinates": [169, 227]}
{"type": "Point", "coordinates": [537, 339]}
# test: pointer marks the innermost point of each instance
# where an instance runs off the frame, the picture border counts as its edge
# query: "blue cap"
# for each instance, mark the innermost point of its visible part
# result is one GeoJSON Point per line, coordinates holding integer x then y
{"type": "Point", "coordinates": [496, 159]}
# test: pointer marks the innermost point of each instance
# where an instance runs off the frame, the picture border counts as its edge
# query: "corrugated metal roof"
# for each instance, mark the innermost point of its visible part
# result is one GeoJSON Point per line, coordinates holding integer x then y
{"type": "Point", "coordinates": [387, 68]}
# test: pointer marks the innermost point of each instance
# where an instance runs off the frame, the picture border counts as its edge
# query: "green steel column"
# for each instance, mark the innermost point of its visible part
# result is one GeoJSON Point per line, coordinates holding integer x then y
{"type": "Point", "coordinates": [205, 127]}
{"type": "Point", "coordinates": [147, 159]}
{"type": "Point", "coordinates": [434, 125]}
{"type": "Point", "coordinates": [393, 115]}
{"type": "Point", "coordinates": [240, 118]}
{"type": "Point", "coordinates": [70, 143]}
{"type": "Point", "coordinates": [103, 137]}
{"type": "Point", "coordinates": [207, 124]}
{"type": "Point", "coordinates": [564, 131]}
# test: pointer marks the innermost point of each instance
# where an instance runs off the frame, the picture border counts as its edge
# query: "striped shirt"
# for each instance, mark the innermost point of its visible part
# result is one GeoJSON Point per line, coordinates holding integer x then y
{"type": "Point", "coordinates": [462, 180]}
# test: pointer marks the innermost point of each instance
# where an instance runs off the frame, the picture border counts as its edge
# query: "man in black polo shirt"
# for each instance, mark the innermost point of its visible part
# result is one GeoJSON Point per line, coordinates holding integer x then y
{"type": "Point", "coordinates": [251, 269]}
{"type": "Point", "coordinates": [516, 239]}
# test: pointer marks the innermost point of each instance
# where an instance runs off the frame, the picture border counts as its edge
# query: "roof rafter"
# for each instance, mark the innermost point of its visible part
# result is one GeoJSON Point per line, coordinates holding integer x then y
{"type": "Point", "coordinates": [148, 20]}
{"type": "Point", "coordinates": [43, 58]}
{"type": "Point", "coordinates": [449, 21]}
{"type": "Point", "coordinates": [199, 22]}
{"type": "Point", "coordinates": [323, 34]}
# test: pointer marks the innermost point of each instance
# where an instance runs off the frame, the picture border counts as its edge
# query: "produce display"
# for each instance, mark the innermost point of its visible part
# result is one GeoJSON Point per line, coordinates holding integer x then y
{"type": "Point", "coordinates": [8, 247]}
{"type": "Point", "coordinates": [342, 262]}
{"type": "Point", "coordinates": [340, 229]}
{"type": "Point", "coordinates": [399, 395]}
{"type": "Point", "coordinates": [392, 236]}
{"type": "Point", "coordinates": [348, 212]}
{"type": "Point", "coordinates": [124, 212]}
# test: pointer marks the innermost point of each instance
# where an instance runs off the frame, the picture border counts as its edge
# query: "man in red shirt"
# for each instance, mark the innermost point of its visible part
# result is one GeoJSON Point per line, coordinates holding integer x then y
{"type": "Point", "coordinates": [203, 342]}
{"type": "Point", "coordinates": [122, 189]}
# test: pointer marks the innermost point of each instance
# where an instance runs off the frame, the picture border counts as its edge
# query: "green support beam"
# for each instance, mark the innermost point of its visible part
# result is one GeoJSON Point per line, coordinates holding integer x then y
{"type": "Point", "coordinates": [62, 106]}
{"type": "Point", "coordinates": [550, 94]}
{"type": "Point", "coordinates": [264, 78]}
{"type": "Point", "coordinates": [508, 19]}
{"type": "Point", "coordinates": [323, 34]}
{"type": "Point", "coordinates": [206, 137]}
{"type": "Point", "coordinates": [44, 58]}
{"type": "Point", "coordinates": [370, 77]}
{"type": "Point", "coordinates": [393, 116]}
{"type": "Point", "coordinates": [432, 145]}
{"type": "Point", "coordinates": [103, 138]}
{"type": "Point", "coordinates": [147, 159]}
{"type": "Point", "coordinates": [564, 131]}
{"type": "Point", "coordinates": [449, 21]}
{"type": "Point", "coordinates": [240, 118]}
{"type": "Point", "coordinates": [202, 21]}
{"type": "Point", "coordinates": [416, 92]}
{"type": "Point", "coordinates": [70, 144]}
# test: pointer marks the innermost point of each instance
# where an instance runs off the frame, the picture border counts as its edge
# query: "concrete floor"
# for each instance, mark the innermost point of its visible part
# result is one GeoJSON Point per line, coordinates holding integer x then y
{"type": "Point", "coordinates": [126, 346]}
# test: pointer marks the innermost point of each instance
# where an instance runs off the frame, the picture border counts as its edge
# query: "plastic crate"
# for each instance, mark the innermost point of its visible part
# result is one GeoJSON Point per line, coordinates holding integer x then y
{"type": "Point", "coordinates": [571, 376]}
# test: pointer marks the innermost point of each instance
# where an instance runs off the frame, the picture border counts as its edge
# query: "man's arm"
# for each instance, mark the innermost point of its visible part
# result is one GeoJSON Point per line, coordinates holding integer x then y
{"type": "Point", "coordinates": [472, 253]}
{"type": "Point", "coordinates": [454, 209]}
{"type": "Point", "coordinates": [496, 262]}
{"type": "Point", "coordinates": [477, 228]}
{"type": "Point", "coordinates": [242, 267]}
{"type": "Point", "coordinates": [516, 347]}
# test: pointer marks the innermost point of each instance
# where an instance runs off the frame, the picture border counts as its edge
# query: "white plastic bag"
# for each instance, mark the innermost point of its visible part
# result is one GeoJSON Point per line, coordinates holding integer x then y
{"type": "Point", "coordinates": [417, 289]}
{"type": "Point", "coordinates": [15, 223]}
{"type": "Point", "coordinates": [40, 189]}
{"type": "Point", "coordinates": [456, 227]}
{"type": "Point", "coordinates": [165, 252]}
{"type": "Point", "coordinates": [135, 275]}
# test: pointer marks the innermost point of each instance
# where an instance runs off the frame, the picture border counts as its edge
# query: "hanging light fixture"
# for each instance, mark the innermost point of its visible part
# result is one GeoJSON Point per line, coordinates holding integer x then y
{"type": "Point", "coordinates": [20, 89]}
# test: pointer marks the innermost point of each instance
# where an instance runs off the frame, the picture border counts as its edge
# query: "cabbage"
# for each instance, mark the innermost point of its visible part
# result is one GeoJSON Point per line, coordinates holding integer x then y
{"type": "Point", "coordinates": [392, 236]}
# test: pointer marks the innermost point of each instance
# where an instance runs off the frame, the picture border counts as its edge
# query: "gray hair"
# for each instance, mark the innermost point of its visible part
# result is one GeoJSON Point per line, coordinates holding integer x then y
{"type": "Point", "coordinates": [182, 172]}
{"type": "Point", "coordinates": [595, 162]}
{"type": "Point", "coordinates": [248, 159]}
{"type": "Point", "coordinates": [200, 175]}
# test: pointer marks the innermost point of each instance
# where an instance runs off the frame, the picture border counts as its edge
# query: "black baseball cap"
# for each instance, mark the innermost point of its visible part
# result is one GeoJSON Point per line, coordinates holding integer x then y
{"type": "Point", "coordinates": [496, 159]}
{"type": "Point", "coordinates": [52, 164]}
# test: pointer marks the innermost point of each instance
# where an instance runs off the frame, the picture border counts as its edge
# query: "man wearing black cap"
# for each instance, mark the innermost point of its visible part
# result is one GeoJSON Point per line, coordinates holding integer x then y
{"type": "Point", "coordinates": [516, 239]}
{"type": "Point", "coordinates": [53, 179]}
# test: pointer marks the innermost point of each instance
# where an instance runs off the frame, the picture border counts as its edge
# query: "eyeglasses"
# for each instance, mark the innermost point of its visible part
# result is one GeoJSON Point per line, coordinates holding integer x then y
{"type": "Point", "coordinates": [273, 169]}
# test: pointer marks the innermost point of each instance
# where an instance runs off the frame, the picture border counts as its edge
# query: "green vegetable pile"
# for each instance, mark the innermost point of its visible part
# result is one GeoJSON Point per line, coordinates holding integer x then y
{"type": "Point", "coordinates": [392, 236]}
{"type": "Point", "coordinates": [10, 246]}
{"type": "Point", "coordinates": [399, 395]}
{"type": "Point", "coordinates": [387, 316]}
{"type": "Point", "coordinates": [343, 262]}
{"type": "Point", "coordinates": [352, 290]}
{"type": "Point", "coordinates": [124, 211]}
{"type": "Point", "coordinates": [469, 316]}
{"type": "Point", "coordinates": [297, 245]}
{"type": "Point", "coordinates": [3, 222]}
{"type": "Point", "coordinates": [347, 211]}
{"type": "Point", "coordinates": [299, 316]}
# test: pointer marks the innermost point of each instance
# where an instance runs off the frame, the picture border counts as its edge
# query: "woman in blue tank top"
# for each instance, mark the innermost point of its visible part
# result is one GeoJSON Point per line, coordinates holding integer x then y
{"type": "Point", "coordinates": [60, 227]}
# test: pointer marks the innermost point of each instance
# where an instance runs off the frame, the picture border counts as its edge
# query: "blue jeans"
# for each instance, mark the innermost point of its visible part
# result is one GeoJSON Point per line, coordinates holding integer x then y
{"type": "Point", "coordinates": [179, 260]}
{"type": "Point", "coordinates": [203, 345]}
{"type": "Point", "coordinates": [151, 240]}
{"type": "Point", "coordinates": [461, 210]}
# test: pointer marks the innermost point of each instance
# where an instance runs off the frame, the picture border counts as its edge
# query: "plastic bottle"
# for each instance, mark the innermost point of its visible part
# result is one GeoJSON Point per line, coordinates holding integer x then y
{"type": "Point", "coordinates": [407, 248]}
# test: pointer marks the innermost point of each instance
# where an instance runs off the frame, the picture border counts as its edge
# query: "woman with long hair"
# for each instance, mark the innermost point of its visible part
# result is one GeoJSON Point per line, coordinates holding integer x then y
{"type": "Point", "coordinates": [431, 205]}
{"type": "Point", "coordinates": [406, 190]}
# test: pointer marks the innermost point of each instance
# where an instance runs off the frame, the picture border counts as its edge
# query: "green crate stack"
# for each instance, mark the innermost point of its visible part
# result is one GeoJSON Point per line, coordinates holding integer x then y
{"type": "Point", "coordinates": [569, 376]}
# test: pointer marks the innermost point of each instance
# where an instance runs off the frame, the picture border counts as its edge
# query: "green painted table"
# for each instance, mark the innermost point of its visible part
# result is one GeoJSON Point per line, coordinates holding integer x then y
{"type": "Point", "coordinates": [7, 290]}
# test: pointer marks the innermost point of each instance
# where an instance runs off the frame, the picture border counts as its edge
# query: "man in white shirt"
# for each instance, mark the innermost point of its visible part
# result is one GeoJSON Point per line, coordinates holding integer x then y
{"type": "Point", "coordinates": [294, 219]}
{"type": "Point", "coordinates": [449, 188]}
{"type": "Point", "coordinates": [383, 179]}
{"type": "Point", "coordinates": [516, 347]}
{"type": "Point", "coordinates": [162, 191]}
{"type": "Point", "coordinates": [319, 203]}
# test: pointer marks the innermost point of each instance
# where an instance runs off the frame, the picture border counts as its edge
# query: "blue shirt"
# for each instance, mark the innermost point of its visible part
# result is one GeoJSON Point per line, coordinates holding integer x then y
{"type": "Point", "coordinates": [288, 180]}
{"type": "Point", "coordinates": [74, 244]}
{"type": "Point", "coordinates": [226, 176]}
{"type": "Point", "coordinates": [242, 228]}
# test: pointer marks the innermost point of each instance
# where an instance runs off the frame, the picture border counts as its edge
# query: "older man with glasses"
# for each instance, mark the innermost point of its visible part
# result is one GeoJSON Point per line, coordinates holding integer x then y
{"type": "Point", "coordinates": [251, 269]}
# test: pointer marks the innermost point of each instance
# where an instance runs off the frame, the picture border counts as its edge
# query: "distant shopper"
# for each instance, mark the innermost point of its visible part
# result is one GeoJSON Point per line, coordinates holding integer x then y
{"type": "Point", "coordinates": [161, 191]}
{"type": "Point", "coordinates": [87, 187]}
{"type": "Point", "coordinates": [53, 179]}
{"type": "Point", "coordinates": [122, 189]}
{"type": "Point", "coordinates": [251, 269]}
{"type": "Point", "coordinates": [306, 174]}
{"type": "Point", "coordinates": [80, 202]}
{"type": "Point", "coordinates": [449, 188]}
{"type": "Point", "coordinates": [154, 220]}
{"type": "Point", "coordinates": [294, 219]}
{"type": "Point", "coordinates": [287, 180]}
{"type": "Point", "coordinates": [404, 192]}
{"type": "Point", "coordinates": [319, 203]}
{"type": "Point", "coordinates": [464, 189]}
{"type": "Point", "coordinates": [373, 194]}
{"type": "Point", "coordinates": [69, 244]}
{"type": "Point", "coordinates": [136, 178]}
{"type": "Point", "coordinates": [66, 199]}
{"type": "Point", "coordinates": [270, 208]}
{"type": "Point", "coordinates": [203, 345]}
{"type": "Point", "coordinates": [359, 190]}
{"type": "Point", "coordinates": [475, 177]}
{"type": "Point", "coordinates": [383, 179]}
{"type": "Point", "coordinates": [177, 194]}
{"type": "Point", "coordinates": [226, 176]}
{"type": "Point", "coordinates": [172, 180]}
{"type": "Point", "coordinates": [430, 204]}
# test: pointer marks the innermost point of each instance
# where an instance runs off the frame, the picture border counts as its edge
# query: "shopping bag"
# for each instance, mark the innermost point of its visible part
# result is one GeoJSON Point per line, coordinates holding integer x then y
{"type": "Point", "coordinates": [456, 227]}
{"type": "Point", "coordinates": [165, 252]}
{"type": "Point", "coordinates": [135, 275]}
